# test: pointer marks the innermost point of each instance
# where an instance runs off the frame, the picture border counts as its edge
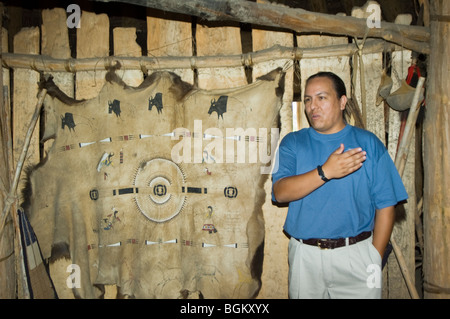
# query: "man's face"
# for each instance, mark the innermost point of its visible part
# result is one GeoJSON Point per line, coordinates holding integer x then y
{"type": "Point", "coordinates": [323, 107]}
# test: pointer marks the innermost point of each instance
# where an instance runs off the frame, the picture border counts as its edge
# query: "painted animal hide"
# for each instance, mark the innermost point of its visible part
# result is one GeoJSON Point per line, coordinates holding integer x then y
{"type": "Point", "coordinates": [148, 188]}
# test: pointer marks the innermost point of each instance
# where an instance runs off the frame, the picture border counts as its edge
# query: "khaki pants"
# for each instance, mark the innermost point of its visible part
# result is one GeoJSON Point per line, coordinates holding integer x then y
{"type": "Point", "coordinates": [352, 271]}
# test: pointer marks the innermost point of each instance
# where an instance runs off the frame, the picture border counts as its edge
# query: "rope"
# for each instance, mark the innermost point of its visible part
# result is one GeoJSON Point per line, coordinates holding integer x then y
{"type": "Point", "coordinates": [362, 76]}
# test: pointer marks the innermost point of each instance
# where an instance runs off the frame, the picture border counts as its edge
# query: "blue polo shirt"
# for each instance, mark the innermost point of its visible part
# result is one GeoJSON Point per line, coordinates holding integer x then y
{"type": "Point", "coordinates": [341, 207]}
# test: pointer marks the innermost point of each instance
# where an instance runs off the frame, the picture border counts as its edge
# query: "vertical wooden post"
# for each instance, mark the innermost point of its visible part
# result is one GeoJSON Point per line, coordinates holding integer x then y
{"type": "Point", "coordinates": [92, 42]}
{"type": "Point", "coordinates": [166, 37]}
{"type": "Point", "coordinates": [125, 45]}
{"type": "Point", "coordinates": [213, 40]}
{"type": "Point", "coordinates": [437, 158]}
{"type": "Point", "coordinates": [56, 44]}
{"type": "Point", "coordinates": [7, 260]}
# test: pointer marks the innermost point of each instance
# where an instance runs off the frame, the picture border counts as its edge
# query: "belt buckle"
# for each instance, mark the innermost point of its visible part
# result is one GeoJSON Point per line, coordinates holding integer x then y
{"type": "Point", "coordinates": [320, 243]}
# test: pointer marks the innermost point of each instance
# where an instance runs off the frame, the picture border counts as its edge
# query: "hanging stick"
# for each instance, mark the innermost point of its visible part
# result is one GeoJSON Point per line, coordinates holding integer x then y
{"type": "Point", "coordinates": [11, 196]}
{"type": "Point", "coordinates": [400, 161]}
{"type": "Point", "coordinates": [362, 77]}
{"type": "Point", "coordinates": [404, 269]}
{"type": "Point", "coordinates": [402, 154]}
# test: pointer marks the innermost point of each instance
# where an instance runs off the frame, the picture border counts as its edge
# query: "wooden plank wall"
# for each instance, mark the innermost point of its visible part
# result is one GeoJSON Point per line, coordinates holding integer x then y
{"type": "Point", "coordinates": [169, 36]}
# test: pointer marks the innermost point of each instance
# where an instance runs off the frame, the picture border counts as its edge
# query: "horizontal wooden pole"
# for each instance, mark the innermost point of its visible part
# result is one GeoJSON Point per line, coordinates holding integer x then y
{"type": "Point", "coordinates": [148, 63]}
{"type": "Point", "coordinates": [415, 38]}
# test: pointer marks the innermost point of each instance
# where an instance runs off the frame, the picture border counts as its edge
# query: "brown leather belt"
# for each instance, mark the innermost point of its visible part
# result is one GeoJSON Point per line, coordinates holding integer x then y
{"type": "Point", "coordinates": [336, 243]}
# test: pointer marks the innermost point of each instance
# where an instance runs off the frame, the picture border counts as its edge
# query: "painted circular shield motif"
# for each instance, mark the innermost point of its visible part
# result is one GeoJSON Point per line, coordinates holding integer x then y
{"type": "Point", "coordinates": [160, 183]}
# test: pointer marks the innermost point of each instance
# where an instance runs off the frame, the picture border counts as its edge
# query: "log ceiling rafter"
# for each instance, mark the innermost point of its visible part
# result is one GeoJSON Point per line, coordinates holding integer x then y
{"type": "Point", "coordinates": [415, 38]}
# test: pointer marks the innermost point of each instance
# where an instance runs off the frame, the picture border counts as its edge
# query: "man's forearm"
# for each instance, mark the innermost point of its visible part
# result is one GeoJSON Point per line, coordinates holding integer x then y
{"type": "Point", "coordinates": [384, 223]}
{"type": "Point", "coordinates": [338, 164]}
{"type": "Point", "coordinates": [296, 187]}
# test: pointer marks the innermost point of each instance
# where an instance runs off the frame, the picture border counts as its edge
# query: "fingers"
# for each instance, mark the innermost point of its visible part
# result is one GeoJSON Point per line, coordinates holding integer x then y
{"type": "Point", "coordinates": [354, 151]}
{"type": "Point", "coordinates": [340, 149]}
{"type": "Point", "coordinates": [355, 160]}
{"type": "Point", "coordinates": [342, 164]}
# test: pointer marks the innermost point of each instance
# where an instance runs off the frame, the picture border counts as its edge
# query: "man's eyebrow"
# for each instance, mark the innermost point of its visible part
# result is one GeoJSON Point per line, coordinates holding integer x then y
{"type": "Point", "coordinates": [318, 93]}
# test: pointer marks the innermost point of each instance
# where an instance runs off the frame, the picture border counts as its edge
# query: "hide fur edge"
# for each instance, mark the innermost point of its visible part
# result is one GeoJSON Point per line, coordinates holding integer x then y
{"type": "Point", "coordinates": [257, 227]}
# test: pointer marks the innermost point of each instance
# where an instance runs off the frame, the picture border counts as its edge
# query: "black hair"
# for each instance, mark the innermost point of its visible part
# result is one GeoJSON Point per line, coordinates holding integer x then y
{"type": "Point", "coordinates": [338, 84]}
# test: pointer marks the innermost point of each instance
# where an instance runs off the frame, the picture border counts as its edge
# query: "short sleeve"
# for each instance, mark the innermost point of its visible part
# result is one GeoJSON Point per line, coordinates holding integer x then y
{"type": "Point", "coordinates": [388, 188]}
{"type": "Point", "coordinates": [285, 161]}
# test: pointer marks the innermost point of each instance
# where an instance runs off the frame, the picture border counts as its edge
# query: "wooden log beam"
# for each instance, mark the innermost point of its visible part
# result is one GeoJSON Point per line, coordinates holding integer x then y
{"type": "Point", "coordinates": [415, 38]}
{"type": "Point", "coordinates": [277, 52]}
{"type": "Point", "coordinates": [436, 199]}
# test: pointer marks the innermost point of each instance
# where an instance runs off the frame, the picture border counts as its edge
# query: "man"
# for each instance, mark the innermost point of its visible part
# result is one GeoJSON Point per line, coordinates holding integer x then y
{"type": "Point", "coordinates": [342, 187]}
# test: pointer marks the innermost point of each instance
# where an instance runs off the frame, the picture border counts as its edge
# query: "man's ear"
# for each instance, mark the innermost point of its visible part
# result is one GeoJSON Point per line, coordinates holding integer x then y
{"type": "Point", "coordinates": [343, 102]}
